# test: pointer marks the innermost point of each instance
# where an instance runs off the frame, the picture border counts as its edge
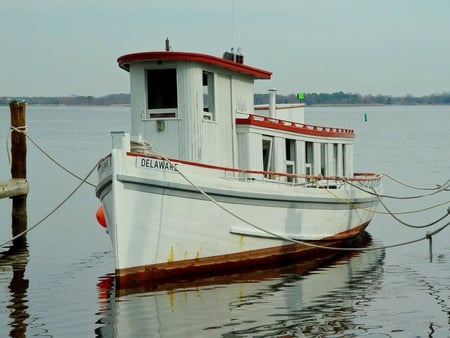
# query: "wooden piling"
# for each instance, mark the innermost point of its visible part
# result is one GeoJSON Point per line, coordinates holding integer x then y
{"type": "Point", "coordinates": [18, 169]}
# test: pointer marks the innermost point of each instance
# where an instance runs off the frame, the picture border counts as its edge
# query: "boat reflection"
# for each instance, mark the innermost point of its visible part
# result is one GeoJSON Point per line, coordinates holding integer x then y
{"type": "Point", "coordinates": [298, 299]}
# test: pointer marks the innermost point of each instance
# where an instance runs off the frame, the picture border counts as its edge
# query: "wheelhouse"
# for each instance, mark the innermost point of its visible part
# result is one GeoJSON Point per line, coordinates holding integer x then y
{"type": "Point", "coordinates": [200, 108]}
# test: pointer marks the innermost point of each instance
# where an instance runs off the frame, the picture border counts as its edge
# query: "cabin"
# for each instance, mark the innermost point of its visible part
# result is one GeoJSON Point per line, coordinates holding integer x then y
{"type": "Point", "coordinates": [200, 108]}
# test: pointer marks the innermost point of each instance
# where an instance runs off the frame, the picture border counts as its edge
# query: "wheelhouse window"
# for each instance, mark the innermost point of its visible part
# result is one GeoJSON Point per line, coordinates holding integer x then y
{"type": "Point", "coordinates": [323, 158]}
{"type": "Point", "coordinates": [267, 142]}
{"type": "Point", "coordinates": [208, 95]}
{"type": "Point", "coordinates": [290, 159]}
{"type": "Point", "coordinates": [309, 153]}
{"type": "Point", "coordinates": [162, 96]}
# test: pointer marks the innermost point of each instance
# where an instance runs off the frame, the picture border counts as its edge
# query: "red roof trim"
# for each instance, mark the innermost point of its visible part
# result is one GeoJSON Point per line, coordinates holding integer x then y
{"type": "Point", "coordinates": [125, 60]}
{"type": "Point", "coordinates": [296, 127]}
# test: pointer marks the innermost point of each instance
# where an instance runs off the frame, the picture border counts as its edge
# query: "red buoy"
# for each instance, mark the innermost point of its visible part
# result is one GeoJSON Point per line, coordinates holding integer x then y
{"type": "Point", "coordinates": [101, 216]}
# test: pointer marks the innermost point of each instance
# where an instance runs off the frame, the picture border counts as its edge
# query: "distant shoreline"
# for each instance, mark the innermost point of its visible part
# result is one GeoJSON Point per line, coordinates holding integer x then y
{"type": "Point", "coordinates": [310, 99]}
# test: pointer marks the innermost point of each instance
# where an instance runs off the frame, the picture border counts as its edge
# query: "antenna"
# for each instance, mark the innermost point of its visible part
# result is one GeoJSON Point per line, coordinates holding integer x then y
{"type": "Point", "coordinates": [168, 47]}
{"type": "Point", "coordinates": [232, 25]}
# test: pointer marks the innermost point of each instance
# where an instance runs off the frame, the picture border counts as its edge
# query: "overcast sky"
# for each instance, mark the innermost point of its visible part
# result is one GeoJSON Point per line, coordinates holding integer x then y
{"type": "Point", "coordinates": [70, 47]}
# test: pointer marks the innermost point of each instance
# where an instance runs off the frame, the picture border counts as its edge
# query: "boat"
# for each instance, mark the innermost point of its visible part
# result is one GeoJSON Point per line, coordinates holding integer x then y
{"type": "Point", "coordinates": [206, 182]}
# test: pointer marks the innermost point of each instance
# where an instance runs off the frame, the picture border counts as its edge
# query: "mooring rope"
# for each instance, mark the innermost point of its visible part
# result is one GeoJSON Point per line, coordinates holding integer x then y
{"type": "Point", "coordinates": [438, 186]}
{"type": "Point", "coordinates": [83, 181]}
{"type": "Point", "coordinates": [23, 130]}
{"type": "Point", "coordinates": [411, 225]}
{"type": "Point", "coordinates": [388, 212]}
{"type": "Point", "coordinates": [438, 190]}
{"type": "Point", "coordinates": [428, 235]}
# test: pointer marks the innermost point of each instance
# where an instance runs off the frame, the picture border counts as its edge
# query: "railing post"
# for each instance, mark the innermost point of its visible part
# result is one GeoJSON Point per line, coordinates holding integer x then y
{"type": "Point", "coordinates": [18, 169]}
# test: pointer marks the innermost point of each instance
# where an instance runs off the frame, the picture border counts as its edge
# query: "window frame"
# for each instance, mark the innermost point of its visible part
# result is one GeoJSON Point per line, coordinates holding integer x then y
{"type": "Point", "coordinates": [165, 85]}
{"type": "Point", "coordinates": [208, 96]}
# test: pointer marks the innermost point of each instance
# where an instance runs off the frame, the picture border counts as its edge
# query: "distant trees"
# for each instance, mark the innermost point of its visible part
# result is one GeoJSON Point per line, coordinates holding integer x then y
{"type": "Point", "coordinates": [309, 98]}
{"type": "Point", "coordinates": [114, 99]}
{"type": "Point", "coordinates": [350, 98]}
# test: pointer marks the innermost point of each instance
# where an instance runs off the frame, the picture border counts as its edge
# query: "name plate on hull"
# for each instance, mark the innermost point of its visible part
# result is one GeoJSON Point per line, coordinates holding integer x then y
{"type": "Point", "coordinates": [104, 165]}
{"type": "Point", "coordinates": [153, 163]}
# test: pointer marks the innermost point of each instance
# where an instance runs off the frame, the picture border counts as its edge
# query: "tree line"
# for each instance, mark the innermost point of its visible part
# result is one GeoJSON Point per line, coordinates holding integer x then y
{"type": "Point", "coordinates": [338, 98]}
{"type": "Point", "coordinates": [341, 98]}
{"type": "Point", "coordinates": [74, 100]}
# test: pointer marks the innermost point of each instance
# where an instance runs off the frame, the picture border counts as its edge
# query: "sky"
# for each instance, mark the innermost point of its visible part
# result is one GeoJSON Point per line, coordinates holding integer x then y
{"type": "Point", "coordinates": [387, 47]}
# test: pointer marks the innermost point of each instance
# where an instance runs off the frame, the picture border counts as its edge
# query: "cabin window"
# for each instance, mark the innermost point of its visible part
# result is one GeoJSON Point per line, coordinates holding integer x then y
{"type": "Point", "coordinates": [323, 158]}
{"type": "Point", "coordinates": [267, 153]}
{"type": "Point", "coordinates": [290, 159]}
{"type": "Point", "coordinates": [208, 95]}
{"type": "Point", "coordinates": [309, 157]}
{"type": "Point", "coordinates": [162, 96]}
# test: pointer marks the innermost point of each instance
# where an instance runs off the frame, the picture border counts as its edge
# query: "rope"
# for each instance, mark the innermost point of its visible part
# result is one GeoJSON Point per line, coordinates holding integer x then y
{"type": "Point", "coordinates": [23, 130]}
{"type": "Point", "coordinates": [414, 187]}
{"type": "Point", "coordinates": [411, 225]}
{"type": "Point", "coordinates": [387, 212]}
{"type": "Point", "coordinates": [427, 236]}
{"type": "Point", "coordinates": [438, 190]}
{"type": "Point", "coordinates": [83, 180]}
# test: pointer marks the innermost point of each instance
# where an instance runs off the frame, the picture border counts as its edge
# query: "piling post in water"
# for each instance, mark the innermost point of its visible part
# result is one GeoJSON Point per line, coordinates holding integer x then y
{"type": "Point", "coordinates": [18, 169]}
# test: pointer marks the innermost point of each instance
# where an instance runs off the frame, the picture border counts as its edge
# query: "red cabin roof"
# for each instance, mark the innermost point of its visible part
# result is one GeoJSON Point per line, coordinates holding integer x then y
{"type": "Point", "coordinates": [125, 60]}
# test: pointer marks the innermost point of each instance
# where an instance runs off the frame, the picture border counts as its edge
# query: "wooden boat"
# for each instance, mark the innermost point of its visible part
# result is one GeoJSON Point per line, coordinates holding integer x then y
{"type": "Point", "coordinates": [205, 181]}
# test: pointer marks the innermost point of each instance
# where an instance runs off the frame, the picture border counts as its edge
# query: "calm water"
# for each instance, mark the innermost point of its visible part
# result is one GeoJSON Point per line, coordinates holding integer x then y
{"type": "Point", "coordinates": [62, 286]}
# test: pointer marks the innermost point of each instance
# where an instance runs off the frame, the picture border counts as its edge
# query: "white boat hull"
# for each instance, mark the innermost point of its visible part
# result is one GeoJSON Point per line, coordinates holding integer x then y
{"type": "Point", "coordinates": [162, 222]}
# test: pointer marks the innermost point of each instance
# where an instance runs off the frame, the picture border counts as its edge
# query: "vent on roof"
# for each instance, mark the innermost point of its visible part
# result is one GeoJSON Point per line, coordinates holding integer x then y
{"type": "Point", "coordinates": [235, 57]}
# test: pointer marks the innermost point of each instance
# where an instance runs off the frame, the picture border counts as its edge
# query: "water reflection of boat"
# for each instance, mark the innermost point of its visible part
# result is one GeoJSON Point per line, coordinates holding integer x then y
{"type": "Point", "coordinates": [271, 302]}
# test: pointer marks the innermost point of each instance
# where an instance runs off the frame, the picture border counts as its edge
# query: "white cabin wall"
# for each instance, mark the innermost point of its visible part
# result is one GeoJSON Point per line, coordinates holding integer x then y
{"type": "Point", "coordinates": [316, 159]}
{"type": "Point", "coordinates": [250, 150]}
{"type": "Point", "coordinates": [224, 128]}
{"type": "Point", "coordinates": [340, 159]}
{"type": "Point", "coordinates": [330, 169]}
{"type": "Point", "coordinates": [217, 134]}
{"type": "Point", "coordinates": [242, 91]}
{"type": "Point", "coordinates": [190, 106]}
{"type": "Point", "coordinates": [242, 102]}
{"type": "Point", "coordinates": [348, 160]}
{"type": "Point", "coordinates": [289, 112]}
{"type": "Point", "coordinates": [138, 103]}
